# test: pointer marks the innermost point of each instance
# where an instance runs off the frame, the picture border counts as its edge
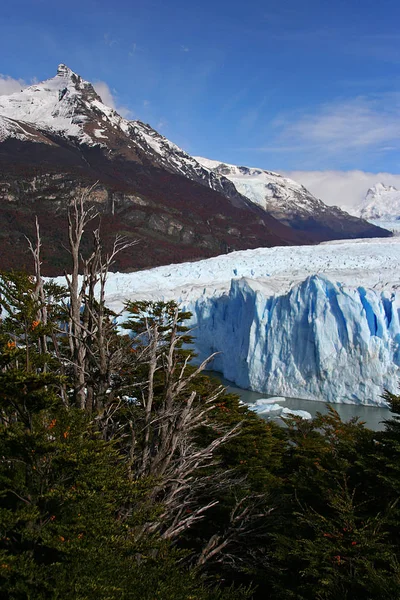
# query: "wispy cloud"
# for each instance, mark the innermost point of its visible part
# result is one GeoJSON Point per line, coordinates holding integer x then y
{"type": "Point", "coordinates": [344, 188]}
{"type": "Point", "coordinates": [185, 49]}
{"type": "Point", "coordinates": [162, 124]}
{"type": "Point", "coordinates": [134, 49]}
{"type": "Point", "coordinates": [8, 85]}
{"type": "Point", "coordinates": [109, 40]}
{"type": "Point", "coordinates": [338, 130]}
{"type": "Point", "coordinates": [254, 114]}
{"type": "Point", "coordinates": [110, 98]}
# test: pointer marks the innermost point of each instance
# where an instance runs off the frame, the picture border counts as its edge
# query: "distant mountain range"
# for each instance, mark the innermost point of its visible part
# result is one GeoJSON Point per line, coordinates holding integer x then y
{"type": "Point", "coordinates": [57, 137]}
{"type": "Point", "coordinates": [290, 202]}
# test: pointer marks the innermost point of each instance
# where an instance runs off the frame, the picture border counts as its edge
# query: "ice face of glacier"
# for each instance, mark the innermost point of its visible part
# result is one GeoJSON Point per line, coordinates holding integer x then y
{"type": "Point", "coordinates": [321, 340]}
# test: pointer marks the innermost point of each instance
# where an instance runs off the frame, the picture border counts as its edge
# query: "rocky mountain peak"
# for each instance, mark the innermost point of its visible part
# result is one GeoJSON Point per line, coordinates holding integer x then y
{"type": "Point", "coordinates": [67, 78]}
{"type": "Point", "coordinates": [64, 71]}
{"type": "Point", "coordinates": [64, 104]}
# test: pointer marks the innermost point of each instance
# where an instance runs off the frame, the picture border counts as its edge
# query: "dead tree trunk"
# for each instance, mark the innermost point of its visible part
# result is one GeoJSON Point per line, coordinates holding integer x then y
{"type": "Point", "coordinates": [39, 286]}
{"type": "Point", "coordinates": [89, 324]}
{"type": "Point", "coordinates": [78, 218]}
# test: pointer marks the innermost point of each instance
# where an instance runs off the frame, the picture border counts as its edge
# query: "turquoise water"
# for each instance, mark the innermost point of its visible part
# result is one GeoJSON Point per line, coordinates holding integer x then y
{"type": "Point", "coordinates": [371, 415]}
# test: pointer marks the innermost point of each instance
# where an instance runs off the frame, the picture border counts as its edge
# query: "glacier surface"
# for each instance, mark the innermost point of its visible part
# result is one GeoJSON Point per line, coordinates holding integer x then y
{"type": "Point", "coordinates": [313, 322]}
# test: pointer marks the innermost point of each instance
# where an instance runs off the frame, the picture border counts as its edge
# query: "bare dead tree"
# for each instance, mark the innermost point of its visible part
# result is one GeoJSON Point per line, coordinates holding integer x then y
{"type": "Point", "coordinates": [35, 249]}
{"type": "Point", "coordinates": [163, 430]}
{"type": "Point", "coordinates": [78, 218]}
{"type": "Point", "coordinates": [42, 315]}
{"type": "Point", "coordinates": [90, 327]}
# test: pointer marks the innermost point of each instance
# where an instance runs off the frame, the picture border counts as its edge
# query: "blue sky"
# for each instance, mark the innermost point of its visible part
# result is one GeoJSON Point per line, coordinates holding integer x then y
{"type": "Point", "coordinates": [310, 85]}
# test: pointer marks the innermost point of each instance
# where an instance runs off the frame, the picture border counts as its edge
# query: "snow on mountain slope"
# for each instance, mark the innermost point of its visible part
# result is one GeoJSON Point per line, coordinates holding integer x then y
{"type": "Point", "coordinates": [381, 202]}
{"type": "Point", "coordinates": [69, 106]}
{"type": "Point", "coordinates": [287, 201]}
{"type": "Point", "coordinates": [317, 322]}
{"type": "Point", "coordinates": [173, 158]}
{"type": "Point", "coordinates": [9, 128]}
{"type": "Point", "coordinates": [266, 188]}
{"type": "Point", "coordinates": [55, 104]}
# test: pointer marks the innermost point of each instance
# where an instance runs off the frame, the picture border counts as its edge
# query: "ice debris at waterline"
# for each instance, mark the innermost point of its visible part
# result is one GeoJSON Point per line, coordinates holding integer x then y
{"type": "Point", "coordinates": [268, 407]}
{"type": "Point", "coordinates": [318, 322]}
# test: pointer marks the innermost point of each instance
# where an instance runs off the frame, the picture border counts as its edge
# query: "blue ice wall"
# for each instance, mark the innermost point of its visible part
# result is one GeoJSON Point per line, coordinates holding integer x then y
{"type": "Point", "coordinates": [320, 340]}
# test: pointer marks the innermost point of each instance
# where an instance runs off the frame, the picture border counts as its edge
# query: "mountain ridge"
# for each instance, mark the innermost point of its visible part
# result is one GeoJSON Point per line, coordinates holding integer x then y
{"type": "Point", "coordinates": [288, 201]}
{"type": "Point", "coordinates": [57, 137]}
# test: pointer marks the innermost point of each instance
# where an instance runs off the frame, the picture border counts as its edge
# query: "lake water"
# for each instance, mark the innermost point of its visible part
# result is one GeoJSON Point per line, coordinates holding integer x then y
{"type": "Point", "coordinates": [371, 415]}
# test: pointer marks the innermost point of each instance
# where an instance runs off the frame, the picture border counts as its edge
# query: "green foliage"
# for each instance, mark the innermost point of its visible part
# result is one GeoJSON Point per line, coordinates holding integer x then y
{"type": "Point", "coordinates": [332, 533]}
{"type": "Point", "coordinates": [69, 516]}
{"type": "Point", "coordinates": [87, 496]}
{"type": "Point", "coordinates": [73, 519]}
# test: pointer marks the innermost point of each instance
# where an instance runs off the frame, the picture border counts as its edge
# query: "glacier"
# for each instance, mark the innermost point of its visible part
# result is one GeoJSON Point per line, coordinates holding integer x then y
{"type": "Point", "coordinates": [319, 341]}
{"type": "Point", "coordinates": [312, 322]}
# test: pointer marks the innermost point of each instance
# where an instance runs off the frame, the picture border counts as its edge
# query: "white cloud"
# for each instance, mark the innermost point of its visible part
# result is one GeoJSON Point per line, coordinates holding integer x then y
{"type": "Point", "coordinates": [185, 49]}
{"type": "Point", "coordinates": [110, 98]}
{"type": "Point", "coordinates": [358, 123]}
{"type": "Point", "coordinates": [8, 85]}
{"type": "Point", "coordinates": [342, 188]}
{"type": "Point", "coordinates": [339, 131]}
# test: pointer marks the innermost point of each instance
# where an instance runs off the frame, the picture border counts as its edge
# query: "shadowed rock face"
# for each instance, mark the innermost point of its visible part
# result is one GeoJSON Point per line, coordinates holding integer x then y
{"type": "Point", "coordinates": [57, 138]}
{"type": "Point", "coordinates": [173, 218]}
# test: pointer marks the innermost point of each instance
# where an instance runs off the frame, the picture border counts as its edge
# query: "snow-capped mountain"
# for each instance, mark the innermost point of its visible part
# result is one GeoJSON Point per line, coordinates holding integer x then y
{"type": "Point", "coordinates": [381, 202]}
{"type": "Point", "coordinates": [269, 190]}
{"type": "Point", "coordinates": [288, 201]}
{"type": "Point", "coordinates": [57, 137]}
{"type": "Point", "coordinates": [69, 106]}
